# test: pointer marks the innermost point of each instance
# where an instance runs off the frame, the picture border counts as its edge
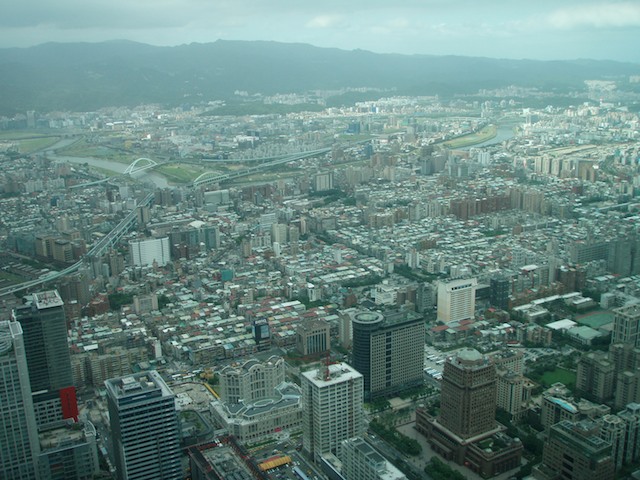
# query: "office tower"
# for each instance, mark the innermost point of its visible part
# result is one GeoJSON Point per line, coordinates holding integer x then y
{"type": "Point", "coordinates": [388, 350]}
{"type": "Point", "coordinates": [150, 251]}
{"type": "Point", "coordinates": [19, 446]}
{"type": "Point", "coordinates": [48, 359]}
{"type": "Point", "coordinates": [500, 290]}
{"type": "Point", "coordinates": [144, 427]}
{"type": "Point", "coordinates": [333, 408]}
{"type": "Point", "coordinates": [595, 376]}
{"type": "Point", "coordinates": [251, 381]}
{"type": "Point", "coordinates": [465, 431]}
{"type": "Point", "coordinates": [457, 300]}
{"type": "Point", "coordinates": [69, 452]}
{"type": "Point", "coordinates": [612, 429]}
{"type": "Point", "coordinates": [574, 451]}
{"type": "Point", "coordinates": [626, 325]}
{"type": "Point", "coordinates": [312, 337]}
{"type": "Point", "coordinates": [468, 394]}
{"type": "Point", "coordinates": [631, 418]}
{"type": "Point", "coordinates": [361, 462]}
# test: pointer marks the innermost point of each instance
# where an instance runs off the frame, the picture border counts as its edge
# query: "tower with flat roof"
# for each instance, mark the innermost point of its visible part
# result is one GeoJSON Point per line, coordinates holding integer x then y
{"type": "Point", "coordinates": [468, 394]}
{"type": "Point", "coordinates": [333, 408]}
{"type": "Point", "coordinates": [388, 350]}
{"type": "Point", "coordinates": [48, 357]}
{"type": "Point", "coordinates": [19, 447]}
{"type": "Point", "coordinates": [144, 427]}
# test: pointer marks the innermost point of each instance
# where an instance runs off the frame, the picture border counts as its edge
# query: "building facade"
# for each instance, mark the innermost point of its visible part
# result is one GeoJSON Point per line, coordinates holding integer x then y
{"type": "Point", "coordinates": [144, 428]}
{"type": "Point", "coordinates": [457, 300]}
{"type": "Point", "coordinates": [333, 399]}
{"type": "Point", "coordinates": [313, 337]}
{"type": "Point", "coordinates": [388, 350]}
{"type": "Point", "coordinates": [19, 447]}
{"type": "Point", "coordinates": [44, 325]}
{"type": "Point", "coordinates": [150, 251]}
{"type": "Point", "coordinates": [468, 394]}
{"type": "Point", "coordinates": [361, 462]}
{"type": "Point", "coordinates": [626, 325]}
{"type": "Point", "coordinates": [574, 451]}
{"type": "Point", "coordinates": [250, 381]}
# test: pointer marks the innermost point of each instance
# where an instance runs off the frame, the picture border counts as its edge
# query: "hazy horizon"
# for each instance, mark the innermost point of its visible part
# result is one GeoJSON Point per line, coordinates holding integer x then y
{"type": "Point", "coordinates": [544, 30]}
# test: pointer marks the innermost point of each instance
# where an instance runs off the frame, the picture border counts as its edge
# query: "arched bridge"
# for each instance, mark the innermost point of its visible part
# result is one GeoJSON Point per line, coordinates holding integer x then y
{"type": "Point", "coordinates": [135, 167]}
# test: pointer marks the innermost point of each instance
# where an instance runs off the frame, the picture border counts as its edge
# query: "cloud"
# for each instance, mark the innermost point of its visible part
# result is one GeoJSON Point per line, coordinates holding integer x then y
{"type": "Point", "coordinates": [324, 21]}
{"type": "Point", "coordinates": [603, 15]}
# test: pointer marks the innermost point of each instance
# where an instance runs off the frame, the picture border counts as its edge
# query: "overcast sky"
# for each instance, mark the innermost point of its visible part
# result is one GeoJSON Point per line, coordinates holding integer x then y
{"type": "Point", "coordinates": [536, 29]}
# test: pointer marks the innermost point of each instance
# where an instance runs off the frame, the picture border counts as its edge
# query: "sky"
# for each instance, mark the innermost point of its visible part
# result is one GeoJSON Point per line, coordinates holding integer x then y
{"type": "Point", "coordinates": [533, 29]}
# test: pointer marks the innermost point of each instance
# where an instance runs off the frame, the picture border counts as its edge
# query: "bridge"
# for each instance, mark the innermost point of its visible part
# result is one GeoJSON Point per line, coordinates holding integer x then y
{"type": "Point", "coordinates": [208, 178]}
{"type": "Point", "coordinates": [135, 168]}
{"type": "Point", "coordinates": [102, 246]}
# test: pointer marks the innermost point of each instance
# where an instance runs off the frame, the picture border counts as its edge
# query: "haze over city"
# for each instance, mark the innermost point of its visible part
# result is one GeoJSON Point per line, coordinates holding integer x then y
{"type": "Point", "coordinates": [334, 240]}
{"type": "Point", "coordinates": [544, 30]}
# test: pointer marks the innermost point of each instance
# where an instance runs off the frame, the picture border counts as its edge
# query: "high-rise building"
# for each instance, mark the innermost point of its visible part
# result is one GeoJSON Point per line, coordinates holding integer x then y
{"type": "Point", "coordinates": [457, 300]}
{"type": "Point", "coordinates": [626, 325]}
{"type": "Point", "coordinates": [360, 461]}
{"type": "Point", "coordinates": [631, 418]}
{"type": "Point", "coordinates": [149, 251]}
{"type": "Point", "coordinates": [596, 376]}
{"type": "Point", "coordinates": [19, 447]}
{"type": "Point", "coordinates": [69, 452]}
{"type": "Point", "coordinates": [333, 408]}
{"type": "Point", "coordinates": [468, 394]}
{"type": "Point", "coordinates": [312, 337]}
{"type": "Point", "coordinates": [48, 358]}
{"type": "Point", "coordinates": [465, 430]}
{"type": "Point", "coordinates": [144, 427]}
{"type": "Point", "coordinates": [574, 451]}
{"type": "Point", "coordinates": [500, 287]}
{"type": "Point", "coordinates": [388, 350]}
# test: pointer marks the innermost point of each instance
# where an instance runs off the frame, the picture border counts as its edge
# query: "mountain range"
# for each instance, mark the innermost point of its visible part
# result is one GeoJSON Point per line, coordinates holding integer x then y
{"type": "Point", "coordinates": [88, 76]}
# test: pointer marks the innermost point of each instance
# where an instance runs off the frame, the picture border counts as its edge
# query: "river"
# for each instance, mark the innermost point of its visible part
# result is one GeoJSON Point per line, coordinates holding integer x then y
{"type": "Point", "coordinates": [504, 132]}
{"type": "Point", "coordinates": [116, 167]}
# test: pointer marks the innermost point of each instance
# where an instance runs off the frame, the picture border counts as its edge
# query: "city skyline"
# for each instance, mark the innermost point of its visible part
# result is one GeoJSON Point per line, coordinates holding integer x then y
{"type": "Point", "coordinates": [542, 30]}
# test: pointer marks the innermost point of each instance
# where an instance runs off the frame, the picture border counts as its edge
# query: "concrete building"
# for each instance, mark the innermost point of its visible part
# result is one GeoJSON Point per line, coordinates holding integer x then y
{"type": "Point", "coordinates": [388, 350]}
{"type": "Point", "coordinates": [631, 418]}
{"type": "Point", "coordinates": [626, 325]}
{"type": "Point", "coordinates": [595, 376]}
{"type": "Point", "coordinates": [333, 398]}
{"type": "Point", "coordinates": [456, 300]}
{"type": "Point", "coordinates": [48, 357]}
{"type": "Point", "coordinates": [313, 337]}
{"type": "Point", "coordinates": [149, 251]}
{"type": "Point", "coordinates": [465, 430]}
{"type": "Point", "coordinates": [144, 427]}
{"type": "Point", "coordinates": [361, 462]}
{"type": "Point", "coordinates": [251, 422]}
{"type": "Point", "coordinates": [69, 452]}
{"type": "Point", "coordinates": [468, 394]}
{"type": "Point", "coordinates": [575, 451]}
{"type": "Point", "coordinates": [250, 381]}
{"type": "Point", "coordinates": [19, 447]}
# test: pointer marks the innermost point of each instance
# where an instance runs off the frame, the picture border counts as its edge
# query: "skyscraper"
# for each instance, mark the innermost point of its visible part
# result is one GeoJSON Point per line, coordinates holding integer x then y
{"type": "Point", "coordinates": [48, 359]}
{"type": "Point", "coordinates": [456, 300]}
{"type": "Point", "coordinates": [333, 408]}
{"type": "Point", "coordinates": [465, 431]}
{"type": "Point", "coordinates": [388, 350]}
{"type": "Point", "coordinates": [626, 325]}
{"type": "Point", "coordinates": [468, 394]}
{"type": "Point", "coordinates": [574, 451]}
{"type": "Point", "coordinates": [19, 445]}
{"type": "Point", "coordinates": [144, 426]}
